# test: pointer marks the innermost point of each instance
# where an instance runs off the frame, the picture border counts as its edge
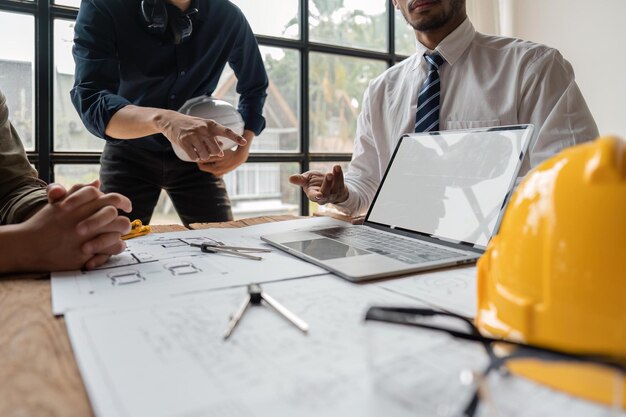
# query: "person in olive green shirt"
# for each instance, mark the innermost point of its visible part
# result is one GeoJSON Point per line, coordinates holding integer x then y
{"type": "Point", "coordinates": [49, 228]}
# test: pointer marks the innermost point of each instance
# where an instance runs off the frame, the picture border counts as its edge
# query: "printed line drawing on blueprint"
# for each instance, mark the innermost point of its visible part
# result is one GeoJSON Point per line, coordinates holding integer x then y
{"type": "Point", "coordinates": [150, 273]}
{"type": "Point", "coordinates": [132, 276]}
{"type": "Point", "coordinates": [156, 248]}
{"type": "Point", "coordinates": [164, 265]}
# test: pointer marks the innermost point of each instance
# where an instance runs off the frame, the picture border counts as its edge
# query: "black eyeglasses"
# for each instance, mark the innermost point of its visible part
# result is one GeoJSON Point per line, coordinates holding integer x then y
{"type": "Point", "coordinates": [412, 316]}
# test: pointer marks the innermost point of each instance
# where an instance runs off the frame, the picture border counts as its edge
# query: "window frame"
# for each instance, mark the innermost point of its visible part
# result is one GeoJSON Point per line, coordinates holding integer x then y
{"type": "Point", "coordinates": [45, 158]}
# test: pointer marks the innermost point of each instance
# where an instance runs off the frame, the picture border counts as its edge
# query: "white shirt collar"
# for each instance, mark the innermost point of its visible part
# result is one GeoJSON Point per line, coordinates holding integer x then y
{"type": "Point", "coordinates": [452, 47]}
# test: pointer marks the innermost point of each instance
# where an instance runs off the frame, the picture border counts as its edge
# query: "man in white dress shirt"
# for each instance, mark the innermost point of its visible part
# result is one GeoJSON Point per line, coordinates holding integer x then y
{"type": "Point", "coordinates": [484, 81]}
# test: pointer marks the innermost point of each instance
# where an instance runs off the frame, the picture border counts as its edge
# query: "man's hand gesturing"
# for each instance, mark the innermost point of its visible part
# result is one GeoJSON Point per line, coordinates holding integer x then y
{"type": "Point", "coordinates": [322, 188]}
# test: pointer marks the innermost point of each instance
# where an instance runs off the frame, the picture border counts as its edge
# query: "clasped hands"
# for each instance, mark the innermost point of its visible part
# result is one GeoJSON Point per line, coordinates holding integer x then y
{"type": "Point", "coordinates": [78, 228]}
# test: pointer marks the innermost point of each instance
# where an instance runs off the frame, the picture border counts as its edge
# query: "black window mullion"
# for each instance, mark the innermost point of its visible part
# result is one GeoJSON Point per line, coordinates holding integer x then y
{"type": "Point", "coordinates": [19, 6]}
{"type": "Point", "coordinates": [392, 32]}
{"type": "Point", "coordinates": [304, 93]}
{"type": "Point", "coordinates": [62, 12]}
{"type": "Point", "coordinates": [43, 89]}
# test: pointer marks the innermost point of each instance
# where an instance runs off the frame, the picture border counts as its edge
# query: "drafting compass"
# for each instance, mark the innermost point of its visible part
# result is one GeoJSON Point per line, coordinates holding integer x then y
{"type": "Point", "coordinates": [240, 251]}
{"type": "Point", "coordinates": [256, 296]}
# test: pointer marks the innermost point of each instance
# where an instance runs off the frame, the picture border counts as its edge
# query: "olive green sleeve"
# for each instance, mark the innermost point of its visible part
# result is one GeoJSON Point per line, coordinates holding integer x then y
{"type": "Point", "coordinates": [21, 192]}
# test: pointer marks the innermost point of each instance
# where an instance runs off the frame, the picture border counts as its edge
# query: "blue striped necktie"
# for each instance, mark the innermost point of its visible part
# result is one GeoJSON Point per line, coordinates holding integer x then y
{"type": "Point", "coordinates": [427, 115]}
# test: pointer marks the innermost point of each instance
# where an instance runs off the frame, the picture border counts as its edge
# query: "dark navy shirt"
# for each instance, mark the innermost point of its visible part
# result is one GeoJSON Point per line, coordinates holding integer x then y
{"type": "Point", "coordinates": [118, 62]}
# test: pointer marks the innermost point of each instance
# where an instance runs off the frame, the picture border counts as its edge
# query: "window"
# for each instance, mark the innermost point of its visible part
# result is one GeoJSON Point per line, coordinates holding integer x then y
{"type": "Point", "coordinates": [282, 131]}
{"type": "Point", "coordinates": [278, 18]}
{"type": "Point", "coordinates": [17, 58]}
{"type": "Point", "coordinates": [355, 24]}
{"type": "Point", "coordinates": [263, 189]}
{"type": "Point", "coordinates": [319, 54]}
{"type": "Point", "coordinates": [72, 3]}
{"type": "Point", "coordinates": [336, 86]}
{"type": "Point", "coordinates": [69, 132]}
{"type": "Point", "coordinates": [404, 35]}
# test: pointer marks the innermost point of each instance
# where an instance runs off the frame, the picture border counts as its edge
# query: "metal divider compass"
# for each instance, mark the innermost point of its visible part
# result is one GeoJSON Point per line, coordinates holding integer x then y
{"type": "Point", "coordinates": [256, 296]}
{"type": "Point", "coordinates": [240, 251]}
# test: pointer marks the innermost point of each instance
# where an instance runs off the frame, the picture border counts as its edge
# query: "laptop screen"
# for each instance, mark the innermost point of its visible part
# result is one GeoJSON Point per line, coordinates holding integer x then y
{"type": "Point", "coordinates": [451, 185]}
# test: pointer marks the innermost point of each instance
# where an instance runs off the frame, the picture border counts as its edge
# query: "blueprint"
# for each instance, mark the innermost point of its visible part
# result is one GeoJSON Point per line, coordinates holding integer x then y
{"type": "Point", "coordinates": [452, 289]}
{"type": "Point", "coordinates": [159, 265]}
{"type": "Point", "coordinates": [169, 359]}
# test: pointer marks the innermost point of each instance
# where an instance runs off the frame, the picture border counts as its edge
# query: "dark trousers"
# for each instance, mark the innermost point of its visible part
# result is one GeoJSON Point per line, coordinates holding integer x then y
{"type": "Point", "coordinates": [140, 175]}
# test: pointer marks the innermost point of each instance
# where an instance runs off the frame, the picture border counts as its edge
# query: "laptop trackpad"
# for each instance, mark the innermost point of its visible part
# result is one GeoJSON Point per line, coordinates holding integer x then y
{"type": "Point", "coordinates": [325, 249]}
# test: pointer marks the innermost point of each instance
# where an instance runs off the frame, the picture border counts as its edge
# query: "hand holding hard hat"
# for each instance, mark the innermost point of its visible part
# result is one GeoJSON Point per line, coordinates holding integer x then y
{"type": "Point", "coordinates": [219, 111]}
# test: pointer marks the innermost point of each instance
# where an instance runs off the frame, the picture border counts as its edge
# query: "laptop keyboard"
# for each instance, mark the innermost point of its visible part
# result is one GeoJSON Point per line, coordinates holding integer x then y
{"type": "Point", "coordinates": [409, 251]}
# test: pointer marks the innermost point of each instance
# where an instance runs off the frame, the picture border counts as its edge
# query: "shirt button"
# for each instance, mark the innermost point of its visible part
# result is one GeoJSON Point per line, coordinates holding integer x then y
{"type": "Point", "coordinates": [173, 96]}
{"type": "Point", "coordinates": [183, 73]}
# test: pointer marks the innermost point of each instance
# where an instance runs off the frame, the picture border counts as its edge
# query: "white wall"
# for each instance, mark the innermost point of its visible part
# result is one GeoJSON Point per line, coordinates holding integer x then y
{"type": "Point", "coordinates": [591, 35]}
{"type": "Point", "coordinates": [485, 15]}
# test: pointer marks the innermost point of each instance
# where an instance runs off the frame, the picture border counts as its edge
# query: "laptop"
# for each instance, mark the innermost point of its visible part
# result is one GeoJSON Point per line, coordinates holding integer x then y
{"type": "Point", "coordinates": [440, 201]}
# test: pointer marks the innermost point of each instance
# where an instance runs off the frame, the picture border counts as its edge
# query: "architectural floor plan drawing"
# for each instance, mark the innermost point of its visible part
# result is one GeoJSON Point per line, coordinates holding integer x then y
{"type": "Point", "coordinates": [173, 361]}
{"type": "Point", "coordinates": [155, 248]}
{"type": "Point", "coordinates": [166, 264]}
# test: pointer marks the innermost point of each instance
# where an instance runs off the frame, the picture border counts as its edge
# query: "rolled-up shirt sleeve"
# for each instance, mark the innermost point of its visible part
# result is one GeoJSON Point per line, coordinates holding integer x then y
{"type": "Point", "coordinates": [21, 192]}
{"type": "Point", "coordinates": [97, 69]}
{"type": "Point", "coordinates": [252, 81]}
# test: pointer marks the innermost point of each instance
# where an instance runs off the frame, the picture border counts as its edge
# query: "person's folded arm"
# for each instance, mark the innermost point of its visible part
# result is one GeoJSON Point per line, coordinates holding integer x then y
{"type": "Point", "coordinates": [22, 201]}
{"type": "Point", "coordinates": [21, 192]}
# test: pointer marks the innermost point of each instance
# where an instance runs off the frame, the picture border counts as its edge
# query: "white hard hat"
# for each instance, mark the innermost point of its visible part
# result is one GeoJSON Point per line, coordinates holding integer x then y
{"type": "Point", "coordinates": [207, 107]}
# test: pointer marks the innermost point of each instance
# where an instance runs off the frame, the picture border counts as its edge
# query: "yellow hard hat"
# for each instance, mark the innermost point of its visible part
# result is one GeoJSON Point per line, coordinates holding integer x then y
{"type": "Point", "coordinates": [555, 274]}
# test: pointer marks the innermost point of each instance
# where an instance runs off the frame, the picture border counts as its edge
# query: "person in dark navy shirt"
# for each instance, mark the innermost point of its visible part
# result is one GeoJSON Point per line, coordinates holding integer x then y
{"type": "Point", "coordinates": [137, 62]}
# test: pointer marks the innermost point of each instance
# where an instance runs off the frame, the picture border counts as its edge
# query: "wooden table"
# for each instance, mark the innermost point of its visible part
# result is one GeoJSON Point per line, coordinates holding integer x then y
{"type": "Point", "coordinates": [38, 373]}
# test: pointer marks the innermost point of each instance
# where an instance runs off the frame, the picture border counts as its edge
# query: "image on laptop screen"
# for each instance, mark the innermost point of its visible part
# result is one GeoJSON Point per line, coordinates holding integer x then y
{"type": "Point", "coordinates": [450, 185]}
